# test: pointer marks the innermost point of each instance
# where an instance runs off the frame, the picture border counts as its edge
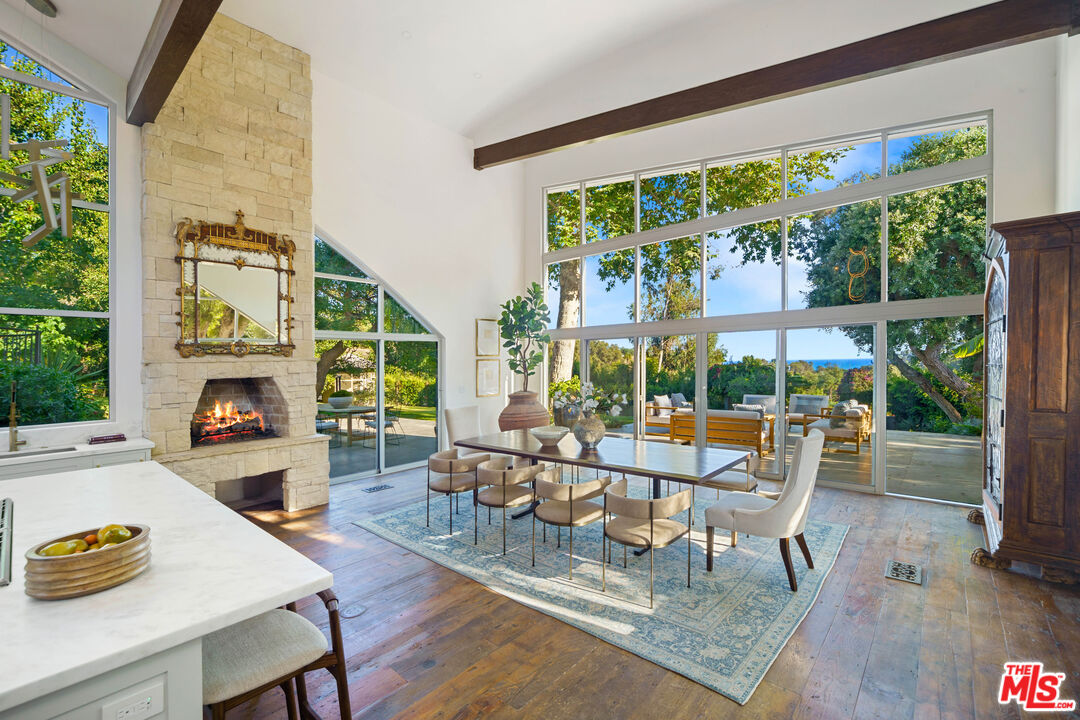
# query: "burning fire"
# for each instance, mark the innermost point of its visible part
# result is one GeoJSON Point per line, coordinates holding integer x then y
{"type": "Point", "coordinates": [224, 418]}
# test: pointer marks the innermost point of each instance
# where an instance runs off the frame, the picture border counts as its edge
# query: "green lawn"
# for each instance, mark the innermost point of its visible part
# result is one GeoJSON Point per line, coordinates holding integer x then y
{"type": "Point", "coordinates": [414, 412]}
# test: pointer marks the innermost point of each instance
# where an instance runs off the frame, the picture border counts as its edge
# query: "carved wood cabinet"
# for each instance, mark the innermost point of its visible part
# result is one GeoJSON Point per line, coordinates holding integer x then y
{"type": "Point", "coordinates": [1031, 433]}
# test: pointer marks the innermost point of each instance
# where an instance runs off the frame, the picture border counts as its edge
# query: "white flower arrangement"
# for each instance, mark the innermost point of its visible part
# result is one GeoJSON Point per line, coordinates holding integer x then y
{"type": "Point", "coordinates": [588, 400]}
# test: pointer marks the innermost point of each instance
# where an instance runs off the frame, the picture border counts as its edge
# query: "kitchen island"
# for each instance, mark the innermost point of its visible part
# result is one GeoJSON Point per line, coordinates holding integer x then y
{"type": "Point", "coordinates": [209, 568]}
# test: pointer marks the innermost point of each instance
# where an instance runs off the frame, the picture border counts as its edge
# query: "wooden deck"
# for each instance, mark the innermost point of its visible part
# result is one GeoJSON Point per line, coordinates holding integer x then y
{"type": "Point", "coordinates": [433, 644]}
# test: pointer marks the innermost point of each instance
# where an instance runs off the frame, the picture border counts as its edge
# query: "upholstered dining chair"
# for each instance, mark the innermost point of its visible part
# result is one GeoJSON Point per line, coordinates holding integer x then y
{"type": "Point", "coordinates": [644, 524]}
{"type": "Point", "coordinates": [566, 505]}
{"type": "Point", "coordinates": [451, 473]}
{"type": "Point", "coordinates": [503, 487]}
{"type": "Point", "coordinates": [783, 517]}
{"type": "Point", "coordinates": [271, 650]}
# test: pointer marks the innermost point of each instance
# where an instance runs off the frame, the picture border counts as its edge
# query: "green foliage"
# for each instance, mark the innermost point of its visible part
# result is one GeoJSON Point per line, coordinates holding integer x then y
{"type": "Point", "coordinates": [523, 326]}
{"type": "Point", "coordinates": [408, 388]}
{"type": "Point", "coordinates": [728, 382]}
{"type": "Point", "coordinates": [341, 393]}
{"type": "Point", "coordinates": [50, 395]}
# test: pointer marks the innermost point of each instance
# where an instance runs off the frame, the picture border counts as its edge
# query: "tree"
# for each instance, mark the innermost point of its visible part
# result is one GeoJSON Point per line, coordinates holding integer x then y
{"type": "Point", "coordinates": [671, 270]}
{"type": "Point", "coordinates": [59, 272]}
{"type": "Point", "coordinates": [935, 239]}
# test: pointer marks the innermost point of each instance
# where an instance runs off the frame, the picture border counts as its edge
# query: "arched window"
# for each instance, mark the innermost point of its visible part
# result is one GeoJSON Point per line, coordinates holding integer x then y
{"type": "Point", "coordinates": [377, 375]}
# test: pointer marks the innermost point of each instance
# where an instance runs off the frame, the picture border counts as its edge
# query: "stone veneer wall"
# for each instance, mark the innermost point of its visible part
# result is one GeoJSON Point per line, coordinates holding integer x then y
{"type": "Point", "coordinates": [235, 134]}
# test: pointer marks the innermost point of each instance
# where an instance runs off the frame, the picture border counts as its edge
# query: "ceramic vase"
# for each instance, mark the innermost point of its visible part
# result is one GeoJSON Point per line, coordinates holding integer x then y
{"type": "Point", "coordinates": [589, 430]}
{"type": "Point", "coordinates": [524, 411]}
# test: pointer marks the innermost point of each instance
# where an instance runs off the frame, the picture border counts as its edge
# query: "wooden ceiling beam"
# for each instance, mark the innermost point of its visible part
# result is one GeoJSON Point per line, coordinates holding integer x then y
{"type": "Point", "coordinates": [178, 27]}
{"type": "Point", "coordinates": [989, 27]}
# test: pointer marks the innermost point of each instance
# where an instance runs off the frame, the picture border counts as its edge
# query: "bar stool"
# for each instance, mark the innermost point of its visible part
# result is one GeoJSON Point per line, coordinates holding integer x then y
{"type": "Point", "coordinates": [274, 649]}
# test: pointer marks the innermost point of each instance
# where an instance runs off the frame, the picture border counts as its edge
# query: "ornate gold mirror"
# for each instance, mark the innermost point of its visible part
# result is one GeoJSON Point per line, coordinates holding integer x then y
{"type": "Point", "coordinates": [236, 289]}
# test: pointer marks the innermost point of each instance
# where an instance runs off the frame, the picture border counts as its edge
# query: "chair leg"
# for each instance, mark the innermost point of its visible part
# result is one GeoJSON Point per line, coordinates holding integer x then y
{"type": "Point", "coordinates": [710, 531]}
{"type": "Point", "coordinates": [571, 552]}
{"type": "Point", "coordinates": [624, 556]}
{"type": "Point", "coordinates": [450, 498]}
{"type": "Point", "coordinates": [427, 500]}
{"type": "Point", "coordinates": [805, 550]}
{"type": "Point", "coordinates": [504, 528]}
{"type": "Point", "coordinates": [341, 676]}
{"type": "Point", "coordinates": [558, 537]}
{"type": "Point", "coordinates": [217, 711]}
{"type": "Point", "coordinates": [534, 538]}
{"type": "Point", "coordinates": [785, 552]}
{"type": "Point", "coordinates": [734, 538]}
{"type": "Point", "coordinates": [290, 698]}
{"type": "Point", "coordinates": [306, 711]}
{"type": "Point", "coordinates": [603, 565]}
{"type": "Point", "coordinates": [651, 553]}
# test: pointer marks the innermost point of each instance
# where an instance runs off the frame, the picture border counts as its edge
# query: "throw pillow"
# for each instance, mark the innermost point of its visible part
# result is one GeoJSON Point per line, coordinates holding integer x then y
{"type": "Point", "coordinates": [663, 403]}
{"type": "Point", "coordinates": [837, 417]}
{"type": "Point", "coordinates": [745, 407]}
{"type": "Point", "coordinates": [679, 400]}
{"type": "Point", "coordinates": [805, 407]}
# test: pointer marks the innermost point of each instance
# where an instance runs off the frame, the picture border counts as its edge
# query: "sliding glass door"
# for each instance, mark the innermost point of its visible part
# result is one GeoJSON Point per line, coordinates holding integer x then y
{"type": "Point", "coordinates": [830, 387]}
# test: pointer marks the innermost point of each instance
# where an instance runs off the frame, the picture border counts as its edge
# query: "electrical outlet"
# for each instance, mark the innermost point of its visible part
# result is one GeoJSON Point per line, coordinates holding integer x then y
{"type": "Point", "coordinates": [146, 702]}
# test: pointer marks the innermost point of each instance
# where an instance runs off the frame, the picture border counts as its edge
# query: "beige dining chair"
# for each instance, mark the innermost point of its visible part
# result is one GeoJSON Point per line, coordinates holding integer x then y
{"type": "Point", "coordinates": [644, 524]}
{"type": "Point", "coordinates": [566, 505]}
{"type": "Point", "coordinates": [503, 488]}
{"type": "Point", "coordinates": [783, 517]}
{"type": "Point", "coordinates": [451, 473]}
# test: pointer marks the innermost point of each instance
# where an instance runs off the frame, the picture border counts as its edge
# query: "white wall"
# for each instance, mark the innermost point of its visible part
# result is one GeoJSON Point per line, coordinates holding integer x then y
{"type": "Point", "coordinates": [401, 194]}
{"type": "Point", "coordinates": [1068, 130]}
{"type": "Point", "coordinates": [1018, 84]}
{"type": "Point", "coordinates": [126, 194]}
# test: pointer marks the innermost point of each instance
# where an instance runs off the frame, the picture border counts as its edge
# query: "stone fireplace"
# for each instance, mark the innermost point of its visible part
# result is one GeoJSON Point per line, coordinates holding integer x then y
{"type": "Point", "coordinates": [235, 134]}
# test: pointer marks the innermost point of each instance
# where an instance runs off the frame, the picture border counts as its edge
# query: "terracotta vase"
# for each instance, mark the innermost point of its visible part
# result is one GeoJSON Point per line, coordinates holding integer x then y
{"type": "Point", "coordinates": [524, 411]}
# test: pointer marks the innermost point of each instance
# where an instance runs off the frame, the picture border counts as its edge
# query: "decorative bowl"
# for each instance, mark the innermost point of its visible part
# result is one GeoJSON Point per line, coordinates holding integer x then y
{"type": "Point", "coordinates": [549, 434]}
{"type": "Point", "coordinates": [341, 402]}
{"type": "Point", "coordinates": [67, 576]}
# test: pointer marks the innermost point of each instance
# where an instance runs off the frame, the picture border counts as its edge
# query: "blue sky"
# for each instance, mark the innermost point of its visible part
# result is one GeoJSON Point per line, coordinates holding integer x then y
{"type": "Point", "coordinates": [98, 115]}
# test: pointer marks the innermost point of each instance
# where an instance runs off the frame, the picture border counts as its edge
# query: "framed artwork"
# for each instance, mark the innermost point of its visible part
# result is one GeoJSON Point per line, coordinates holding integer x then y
{"type": "Point", "coordinates": [487, 338]}
{"type": "Point", "coordinates": [487, 378]}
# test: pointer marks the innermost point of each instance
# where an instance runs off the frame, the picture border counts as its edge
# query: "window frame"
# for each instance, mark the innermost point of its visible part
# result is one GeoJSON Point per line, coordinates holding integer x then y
{"type": "Point", "coordinates": [380, 337]}
{"type": "Point", "coordinates": [876, 314]}
{"type": "Point", "coordinates": [74, 431]}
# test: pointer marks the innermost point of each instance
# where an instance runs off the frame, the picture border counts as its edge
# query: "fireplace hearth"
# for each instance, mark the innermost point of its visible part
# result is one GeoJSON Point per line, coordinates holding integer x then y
{"type": "Point", "coordinates": [236, 409]}
{"type": "Point", "coordinates": [227, 423]}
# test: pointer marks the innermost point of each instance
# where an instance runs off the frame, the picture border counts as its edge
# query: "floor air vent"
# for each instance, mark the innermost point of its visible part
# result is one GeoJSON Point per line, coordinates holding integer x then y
{"type": "Point", "coordinates": [907, 572]}
{"type": "Point", "coordinates": [377, 488]}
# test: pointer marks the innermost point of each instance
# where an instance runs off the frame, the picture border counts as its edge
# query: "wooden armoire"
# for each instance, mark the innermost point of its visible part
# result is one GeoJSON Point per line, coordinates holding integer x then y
{"type": "Point", "coordinates": [1031, 432]}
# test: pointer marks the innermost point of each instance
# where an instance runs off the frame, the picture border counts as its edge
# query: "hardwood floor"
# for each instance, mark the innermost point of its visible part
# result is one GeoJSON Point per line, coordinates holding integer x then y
{"type": "Point", "coordinates": [433, 644]}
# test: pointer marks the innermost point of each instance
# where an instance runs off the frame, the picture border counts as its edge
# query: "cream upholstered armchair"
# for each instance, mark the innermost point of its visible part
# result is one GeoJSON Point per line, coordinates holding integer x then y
{"type": "Point", "coordinates": [566, 505]}
{"type": "Point", "coordinates": [783, 518]}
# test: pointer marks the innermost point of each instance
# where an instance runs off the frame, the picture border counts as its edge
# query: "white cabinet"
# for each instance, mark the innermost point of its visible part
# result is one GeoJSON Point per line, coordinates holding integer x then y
{"type": "Point", "coordinates": [81, 457]}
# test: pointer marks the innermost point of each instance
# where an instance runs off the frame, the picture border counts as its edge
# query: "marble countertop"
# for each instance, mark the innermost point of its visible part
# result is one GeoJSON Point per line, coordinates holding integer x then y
{"type": "Point", "coordinates": [209, 568]}
{"type": "Point", "coordinates": [26, 455]}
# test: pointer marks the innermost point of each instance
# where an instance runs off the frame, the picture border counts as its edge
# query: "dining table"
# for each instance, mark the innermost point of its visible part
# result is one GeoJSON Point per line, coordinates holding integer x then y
{"type": "Point", "coordinates": [348, 411]}
{"type": "Point", "coordinates": [657, 461]}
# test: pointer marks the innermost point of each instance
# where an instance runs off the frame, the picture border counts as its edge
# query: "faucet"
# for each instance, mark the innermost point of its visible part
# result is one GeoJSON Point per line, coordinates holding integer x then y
{"type": "Point", "coordinates": [13, 426]}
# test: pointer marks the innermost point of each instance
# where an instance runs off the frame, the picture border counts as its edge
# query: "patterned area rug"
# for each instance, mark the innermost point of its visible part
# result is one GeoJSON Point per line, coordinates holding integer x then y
{"type": "Point", "coordinates": [723, 632]}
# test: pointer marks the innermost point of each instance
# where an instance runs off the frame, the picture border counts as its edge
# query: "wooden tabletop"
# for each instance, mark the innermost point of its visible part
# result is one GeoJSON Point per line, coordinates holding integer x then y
{"type": "Point", "coordinates": [660, 461]}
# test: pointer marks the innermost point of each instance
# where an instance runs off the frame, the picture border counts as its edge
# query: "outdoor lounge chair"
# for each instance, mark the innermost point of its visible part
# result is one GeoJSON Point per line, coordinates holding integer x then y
{"type": "Point", "coordinates": [851, 425]}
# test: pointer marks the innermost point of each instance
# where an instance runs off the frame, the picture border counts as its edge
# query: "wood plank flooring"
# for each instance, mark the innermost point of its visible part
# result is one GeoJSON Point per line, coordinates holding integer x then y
{"type": "Point", "coordinates": [433, 644]}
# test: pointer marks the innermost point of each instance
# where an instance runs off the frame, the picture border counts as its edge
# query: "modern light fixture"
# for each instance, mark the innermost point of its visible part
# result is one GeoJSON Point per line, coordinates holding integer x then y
{"type": "Point", "coordinates": [45, 7]}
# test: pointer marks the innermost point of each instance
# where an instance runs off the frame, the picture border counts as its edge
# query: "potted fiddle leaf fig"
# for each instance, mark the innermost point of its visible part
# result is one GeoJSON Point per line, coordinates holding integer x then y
{"type": "Point", "coordinates": [523, 328]}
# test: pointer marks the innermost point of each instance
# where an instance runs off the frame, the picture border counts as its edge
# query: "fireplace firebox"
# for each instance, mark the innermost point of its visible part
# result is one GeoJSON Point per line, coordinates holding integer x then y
{"type": "Point", "coordinates": [237, 409]}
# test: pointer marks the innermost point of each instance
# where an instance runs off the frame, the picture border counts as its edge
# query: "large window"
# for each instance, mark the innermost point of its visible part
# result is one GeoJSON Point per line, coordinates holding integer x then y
{"type": "Point", "coordinates": [805, 257]}
{"type": "Point", "coordinates": [55, 307]}
{"type": "Point", "coordinates": [377, 371]}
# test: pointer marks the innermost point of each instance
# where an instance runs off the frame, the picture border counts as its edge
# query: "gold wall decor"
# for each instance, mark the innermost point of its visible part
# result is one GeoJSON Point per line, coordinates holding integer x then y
{"type": "Point", "coordinates": [236, 289]}
{"type": "Point", "coordinates": [856, 285]}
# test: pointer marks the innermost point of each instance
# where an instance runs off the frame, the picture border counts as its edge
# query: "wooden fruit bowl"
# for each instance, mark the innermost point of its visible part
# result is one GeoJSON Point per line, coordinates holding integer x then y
{"type": "Point", "coordinates": [67, 576]}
